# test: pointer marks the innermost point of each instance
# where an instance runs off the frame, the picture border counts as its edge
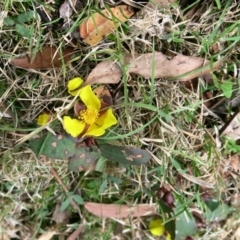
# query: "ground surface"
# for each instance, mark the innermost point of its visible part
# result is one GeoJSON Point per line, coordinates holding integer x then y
{"type": "Point", "coordinates": [192, 160]}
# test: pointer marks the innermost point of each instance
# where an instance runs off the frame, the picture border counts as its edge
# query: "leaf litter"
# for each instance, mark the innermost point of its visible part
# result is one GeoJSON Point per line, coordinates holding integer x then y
{"type": "Point", "coordinates": [120, 211]}
{"type": "Point", "coordinates": [180, 67]}
{"type": "Point", "coordinates": [47, 57]}
{"type": "Point", "coordinates": [151, 65]}
{"type": "Point", "coordinates": [100, 25]}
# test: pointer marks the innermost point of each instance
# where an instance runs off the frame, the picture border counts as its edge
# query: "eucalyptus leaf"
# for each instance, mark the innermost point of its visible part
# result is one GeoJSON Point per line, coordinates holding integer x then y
{"type": "Point", "coordinates": [124, 155]}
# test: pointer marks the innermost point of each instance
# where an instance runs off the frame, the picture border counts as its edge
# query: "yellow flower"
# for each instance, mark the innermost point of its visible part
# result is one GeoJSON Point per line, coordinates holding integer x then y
{"type": "Point", "coordinates": [43, 119]}
{"type": "Point", "coordinates": [157, 228]}
{"type": "Point", "coordinates": [168, 236]}
{"type": "Point", "coordinates": [92, 121]}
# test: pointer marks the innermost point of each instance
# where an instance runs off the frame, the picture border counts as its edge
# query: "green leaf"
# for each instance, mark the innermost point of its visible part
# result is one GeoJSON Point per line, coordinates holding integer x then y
{"type": "Point", "coordinates": [100, 164]}
{"type": "Point", "coordinates": [170, 225]}
{"type": "Point", "coordinates": [65, 147]}
{"type": "Point", "coordinates": [227, 87]}
{"type": "Point", "coordinates": [185, 225]}
{"type": "Point", "coordinates": [125, 155]}
{"type": "Point", "coordinates": [212, 204]}
{"type": "Point", "coordinates": [22, 30]}
{"type": "Point", "coordinates": [8, 21]}
{"type": "Point", "coordinates": [58, 147]}
{"type": "Point", "coordinates": [103, 186]}
{"type": "Point", "coordinates": [78, 199]}
{"type": "Point", "coordinates": [65, 204]}
{"type": "Point", "coordinates": [25, 17]}
{"type": "Point", "coordinates": [83, 158]}
{"type": "Point", "coordinates": [220, 213]}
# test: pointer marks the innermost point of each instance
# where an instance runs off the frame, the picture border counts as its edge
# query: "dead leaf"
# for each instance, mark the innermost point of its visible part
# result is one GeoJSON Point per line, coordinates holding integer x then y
{"type": "Point", "coordinates": [60, 216]}
{"type": "Point", "coordinates": [233, 128]}
{"type": "Point", "coordinates": [105, 72]}
{"type": "Point", "coordinates": [235, 200]}
{"type": "Point", "coordinates": [237, 234]}
{"type": "Point", "coordinates": [196, 180]}
{"type": "Point", "coordinates": [234, 163]}
{"type": "Point", "coordinates": [98, 26]}
{"type": "Point", "coordinates": [104, 95]}
{"type": "Point", "coordinates": [76, 234]}
{"type": "Point", "coordinates": [120, 211]}
{"type": "Point", "coordinates": [65, 10]}
{"type": "Point", "coordinates": [180, 67]}
{"type": "Point", "coordinates": [48, 57]}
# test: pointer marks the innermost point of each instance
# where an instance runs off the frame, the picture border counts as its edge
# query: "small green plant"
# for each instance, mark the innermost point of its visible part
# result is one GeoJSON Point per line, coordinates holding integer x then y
{"type": "Point", "coordinates": [70, 197]}
{"type": "Point", "coordinates": [231, 146]}
{"type": "Point", "coordinates": [19, 21]}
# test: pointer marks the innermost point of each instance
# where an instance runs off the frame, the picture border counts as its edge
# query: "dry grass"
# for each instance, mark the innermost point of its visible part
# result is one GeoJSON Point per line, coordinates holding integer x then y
{"type": "Point", "coordinates": [28, 189]}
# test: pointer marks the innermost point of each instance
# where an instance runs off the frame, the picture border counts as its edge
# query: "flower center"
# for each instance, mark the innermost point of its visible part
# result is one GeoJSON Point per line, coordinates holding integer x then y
{"type": "Point", "coordinates": [89, 116]}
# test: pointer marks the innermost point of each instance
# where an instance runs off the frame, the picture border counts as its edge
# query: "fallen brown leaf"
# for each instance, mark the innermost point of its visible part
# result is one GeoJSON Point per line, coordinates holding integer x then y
{"type": "Point", "coordinates": [65, 10]}
{"type": "Point", "coordinates": [60, 216]}
{"type": "Point", "coordinates": [233, 128]}
{"type": "Point", "coordinates": [104, 95]}
{"type": "Point", "coordinates": [196, 180]}
{"type": "Point", "coordinates": [180, 67]}
{"type": "Point", "coordinates": [48, 57]}
{"type": "Point", "coordinates": [120, 211]}
{"type": "Point", "coordinates": [235, 201]}
{"type": "Point", "coordinates": [76, 233]}
{"type": "Point", "coordinates": [105, 72]}
{"type": "Point", "coordinates": [98, 26]}
{"type": "Point", "coordinates": [234, 163]}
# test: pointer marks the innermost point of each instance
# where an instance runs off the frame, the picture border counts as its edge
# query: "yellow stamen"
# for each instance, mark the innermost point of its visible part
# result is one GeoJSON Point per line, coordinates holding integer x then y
{"type": "Point", "coordinates": [89, 116]}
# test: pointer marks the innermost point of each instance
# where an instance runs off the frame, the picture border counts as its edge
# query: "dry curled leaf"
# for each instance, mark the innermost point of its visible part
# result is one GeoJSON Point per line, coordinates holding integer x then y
{"type": "Point", "coordinates": [48, 57]}
{"type": "Point", "coordinates": [104, 95]}
{"type": "Point", "coordinates": [234, 163]}
{"type": "Point", "coordinates": [105, 72]}
{"type": "Point", "coordinates": [99, 25]}
{"type": "Point", "coordinates": [60, 216]}
{"type": "Point", "coordinates": [120, 211]}
{"type": "Point", "coordinates": [233, 128]}
{"type": "Point", "coordinates": [180, 67]}
{"type": "Point", "coordinates": [196, 180]}
{"type": "Point", "coordinates": [65, 10]}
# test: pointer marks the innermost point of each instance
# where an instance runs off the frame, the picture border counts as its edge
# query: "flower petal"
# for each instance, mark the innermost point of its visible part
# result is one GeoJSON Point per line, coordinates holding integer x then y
{"type": "Point", "coordinates": [169, 237]}
{"type": "Point", "coordinates": [43, 119]}
{"type": "Point", "coordinates": [156, 227]}
{"type": "Point", "coordinates": [73, 84]}
{"type": "Point", "coordinates": [107, 119]}
{"type": "Point", "coordinates": [94, 131]}
{"type": "Point", "coordinates": [73, 126]}
{"type": "Point", "coordinates": [89, 98]}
